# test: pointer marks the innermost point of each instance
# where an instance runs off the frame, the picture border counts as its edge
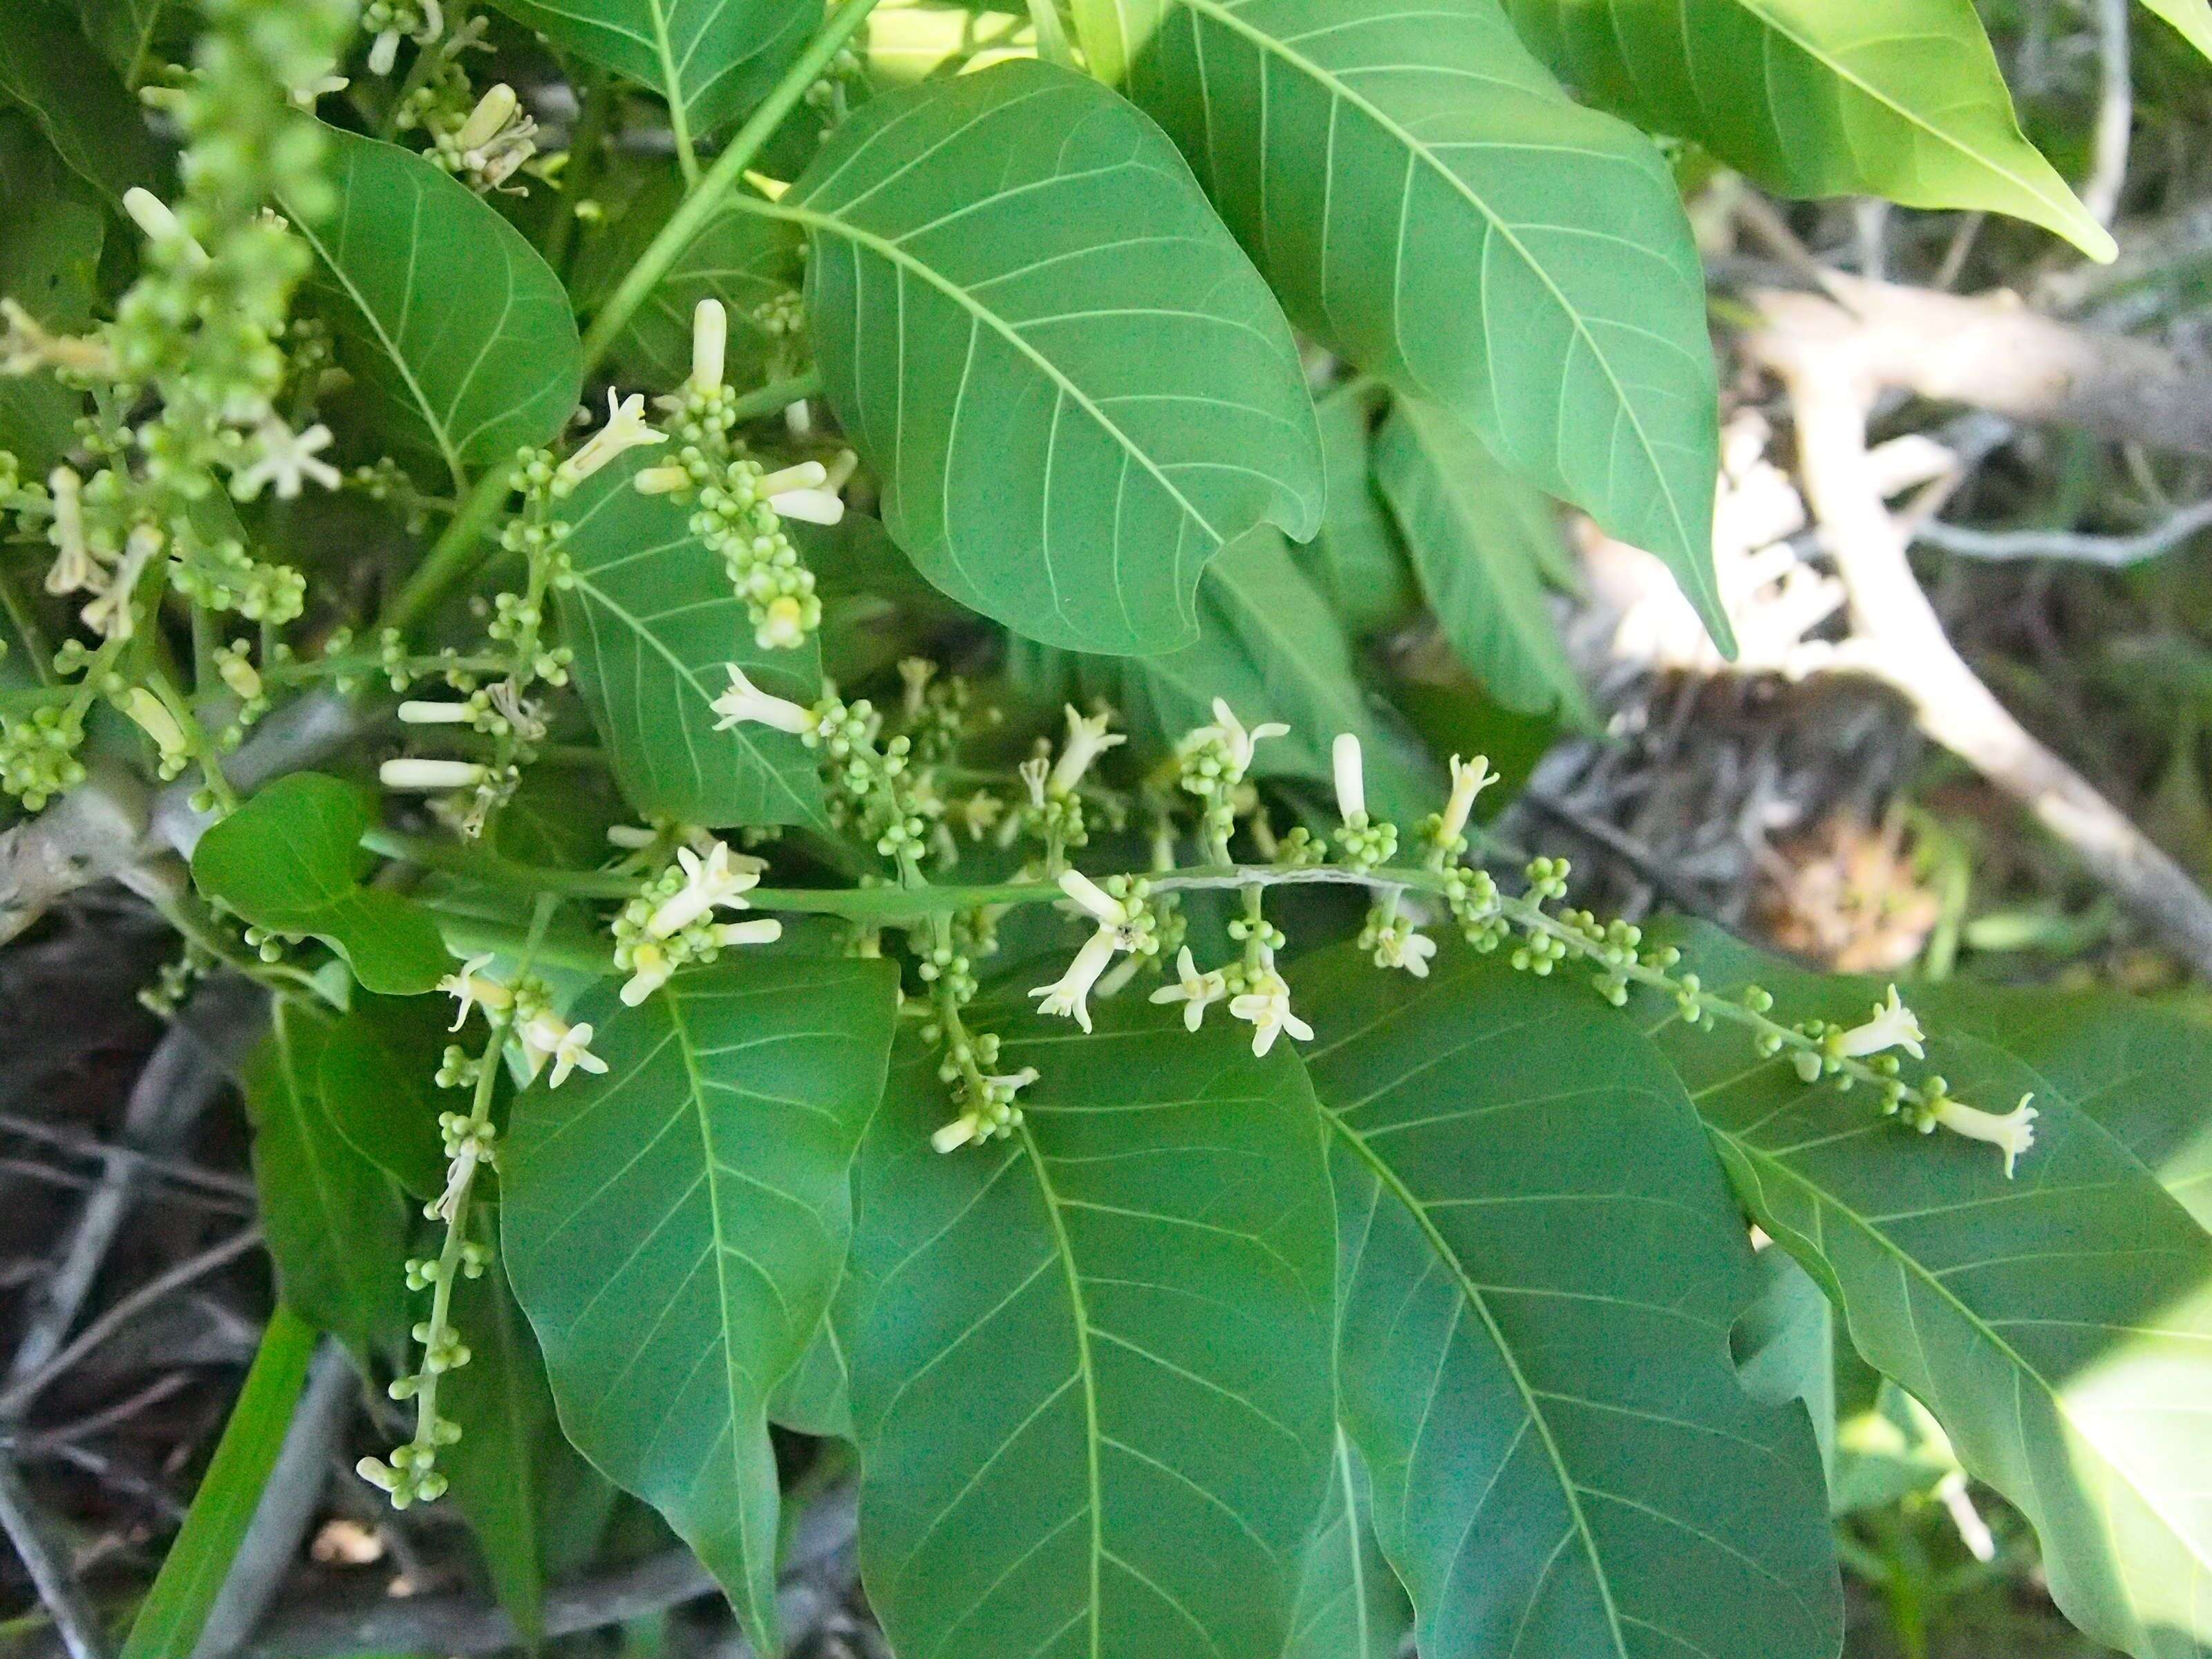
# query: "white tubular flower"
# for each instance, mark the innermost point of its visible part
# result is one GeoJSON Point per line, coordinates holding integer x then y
{"type": "Point", "coordinates": [154, 717]}
{"type": "Point", "coordinates": [1350, 777]}
{"type": "Point", "coordinates": [626, 428]}
{"type": "Point", "coordinates": [384, 52]}
{"type": "Point", "coordinates": [1087, 739]}
{"type": "Point", "coordinates": [1267, 1007]}
{"type": "Point", "coordinates": [745, 702]}
{"type": "Point", "coordinates": [649, 969]}
{"type": "Point", "coordinates": [761, 930]}
{"type": "Point", "coordinates": [430, 776]}
{"type": "Point", "coordinates": [801, 492]}
{"type": "Point", "coordinates": [152, 216]}
{"type": "Point", "coordinates": [955, 1135]}
{"type": "Point", "coordinates": [1069, 995]}
{"type": "Point", "coordinates": [1033, 775]}
{"type": "Point", "coordinates": [710, 344]}
{"type": "Point", "coordinates": [662, 480]}
{"type": "Point", "coordinates": [1469, 779]}
{"type": "Point", "coordinates": [708, 882]}
{"type": "Point", "coordinates": [1403, 948]}
{"type": "Point", "coordinates": [1230, 732]}
{"type": "Point", "coordinates": [782, 625]}
{"type": "Point", "coordinates": [431, 713]}
{"type": "Point", "coordinates": [493, 111]}
{"type": "Point", "coordinates": [1095, 901]}
{"type": "Point", "coordinates": [1197, 992]}
{"type": "Point", "coordinates": [2011, 1133]}
{"type": "Point", "coordinates": [1893, 1026]}
{"type": "Point", "coordinates": [287, 458]}
{"type": "Point", "coordinates": [73, 567]}
{"type": "Point", "coordinates": [475, 990]}
{"type": "Point", "coordinates": [111, 615]}
{"type": "Point", "coordinates": [568, 1047]}
{"type": "Point", "coordinates": [631, 836]}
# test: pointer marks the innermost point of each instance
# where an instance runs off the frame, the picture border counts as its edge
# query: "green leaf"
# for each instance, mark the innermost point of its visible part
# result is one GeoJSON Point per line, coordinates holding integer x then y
{"type": "Point", "coordinates": [1357, 560]}
{"type": "Point", "coordinates": [1090, 1363]}
{"type": "Point", "coordinates": [1350, 1605]}
{"type": "Point", "coordinates": [1423, 197]}
{"type": "Point", "coordinates": [1269, 644]}
{"type": "Point", "coordinates": [711, 59]}
{"type": "Point", "coordinates": [290, 860]}
{"type": "Point", "coordinates": [1895, 98]}
{"type": "Point", "coordinates": [459, 335]}
{"type": "Point", "coordinates": [1074, 387]}
{"type": "Point", "coordinates": [1476, 534]}
{"type": "Point", "coordinates": [169, 1621]}
{"type": "Point", "coordinates": [514, 1475]}
{"type": "Point", "coordinates": [655, 620]}
{"type": "Point", "coordinates": [50, 247]}
{"type": "Point", "coordinates": [2193, 17]}
{"type": "Point", "coordinates": [1785, 1346]}
{"type": "Point", "coordinates": [92, 123]}
{"type": "Point", "coordinates": [127, 33]}
{"type": "Point", "coordinates": [337, 1224]}
{"type": "Point", "coordinates": [739, 259]}
{"type": "Point", "coordinates": [674, 1229]}
{"type": "Point", "coordinates": [816, 1397]}
{"type": "Point", "coordinates": [377, 1075]}
{"type": "Point", "coordinates": [1543, 1267]}
{"type": "Point", "coordinates": [2059, 1324]}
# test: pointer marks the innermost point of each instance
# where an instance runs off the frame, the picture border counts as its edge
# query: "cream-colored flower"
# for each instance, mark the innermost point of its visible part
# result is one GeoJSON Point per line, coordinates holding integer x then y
{"type": "Point", "coordinates": [286, 458]}
{"type": "Point", "coordinates": [475, 989]}
{"type": "Point", "coordinates": [2011, 1133]}
{"type": "Point", "coordinates": [1094, 900]}
{"type": "Point", "coordinates": [1087, 739]}
{"type": "Point", "coordinates": [745, 702]}
{"type": "Point", "coordinates": [758, 930]}
{"type": "Point", "coordinates": [1349, 768]}
{"type": "Point", "coordinates": [1469, 779]}
{"type": "Point", "coordinates": [782, 625]}
{"type": "Point", "coordinates": [155, 719]}
{"type": "Point", "coordinates": [802, 492]}
{"type": "Point", "coordinates": [626, 428]}
{"type": "Point", "coordinates": [75, 568]}
{"type": "Point", "coordinates": [710, 343]}
{"type": "Point", "coordinates": [1401, 947]}
{"type": "Point", "coordinates": [435, 712]}
{"type": "Point", "coordinates": [113, 614]}
{"type": "Point", "coordinates": [1197, 992]}
{"type": "Point", "coordinates": [1069, 995]}
{"type": "Point", "coordinates": [1267, 1007]}
{"type": "Point", "coordinates": [549, 1036]}
{"type": "Point", "coordinates": [1893, 1026]}
{"type": "Point", "coordinates": [1230, 733]}
{"type": "Point", "coordinates": [649, 970]}
{"type": "Point", "coordinates": [708, 882]}
{"type": "Point", "coordinates": [152, 216]}
{"type": "Point", "coordinates": [430, 776]}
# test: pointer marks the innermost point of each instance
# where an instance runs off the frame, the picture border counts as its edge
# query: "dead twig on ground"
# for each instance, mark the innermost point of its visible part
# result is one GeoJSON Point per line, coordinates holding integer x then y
{"type": "Point", "coordinates": [59, 1593]}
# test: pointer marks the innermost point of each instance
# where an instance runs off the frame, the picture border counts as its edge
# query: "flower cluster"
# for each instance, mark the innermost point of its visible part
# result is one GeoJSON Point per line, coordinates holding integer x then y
{"type": "Point", "coordinates": [671, 923]}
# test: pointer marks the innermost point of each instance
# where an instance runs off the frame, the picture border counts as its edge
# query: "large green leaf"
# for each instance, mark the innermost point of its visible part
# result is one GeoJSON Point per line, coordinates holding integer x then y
{"type": "Point", "coordinates": [458, 333]}
{"type": "Point", "coordinates": [1895, 98]}
{"type": "Point", "coordinates": [92, 123]}
{"type": "Point", "coordinates": [2193, 17]}
{"type": "Point", "coordinates": [1423, 197]}
{"type": "Point", "coordinates": [49, 247]}
{"type": "Point", "coordinates": [1090, 1363]}
{"type": "Point", "coordinates": [712, 59]}
{"type": "Point", "coordinates": [1357, 559]}
{"type": "Point", "coordinates": [377, 1075]}
{"type": "Point", "coordinates": [1350, 1605]}
{"type": "Point", "coordinates": [337, 1224]}
{"type": "Point", "coordinates": [1074, 386]}
{"type": "Point", "coordinates": [674, 1229]}
{"type": "Point", "coordinates": [2059, 1324]}
{"type": "Point", "coordinates": [290, 860]}
{"type": "Point", "coordinates": [739, 259]}
{"type": "Point", "coordinates": [1543, 1266]}
{"type": "Point", "coordinates": [1268, 643]}
{"type": "Point", "coordinates": [655, 622]}
{"type": "Point", "coordinates": [1475, 533]}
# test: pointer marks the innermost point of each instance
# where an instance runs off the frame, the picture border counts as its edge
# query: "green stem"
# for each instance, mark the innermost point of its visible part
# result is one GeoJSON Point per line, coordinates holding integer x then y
{"type": "Point", "coordinates": [704, 201]}
{"type": "Point", "coordinates": [453, 555]}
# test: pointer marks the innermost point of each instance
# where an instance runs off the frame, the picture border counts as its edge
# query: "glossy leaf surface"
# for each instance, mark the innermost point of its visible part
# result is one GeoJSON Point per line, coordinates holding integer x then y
{"type": "Point", "coordinates": [1091, 1363]}
{"type": "Point", "coordinates": [459, 335]}
{"type": "Point", "coordinates": [654, 621]}
{"type": "Point", "coordinates": [1895, 98]}
{"type": "Point", "coordinates": [1542, 1267]}
{"type": "Point", "coordinates": [674, 1229]}
{"type": "Point", "coordinates": [1072, 385]}
{"type": "Point", "coordinates": [2058, 1324]}
{"type": "Point", "coordinates": [1423, 197]}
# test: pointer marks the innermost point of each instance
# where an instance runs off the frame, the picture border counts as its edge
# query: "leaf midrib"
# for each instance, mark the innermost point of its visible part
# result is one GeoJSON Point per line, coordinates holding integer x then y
{"type": "Point", "coordinates": [1441, 1248]}
{"type": "Point", "coordinates": [883, 248]}
{"type": "Point", "coordinates": [1337, 89]}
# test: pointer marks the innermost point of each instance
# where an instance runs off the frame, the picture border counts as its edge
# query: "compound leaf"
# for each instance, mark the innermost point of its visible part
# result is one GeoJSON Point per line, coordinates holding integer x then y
{"type": "Point", "coordinates": [1542, 1267]}
{"type": "Point", "coordinates": [654, 621]}
{"type": "Point", "coordinates": [1090, 1364]}
{"type": "Point", "coordinates": [1074, 386]}
{"type": "Point", "coordinates": [459, 335]}
{"type": "Point", "coordinates": [1425, 197]}
{"type": "Point", "coordinates": [2059, 1324]}
{"type": "Point", "coordinates": [674, 1227]}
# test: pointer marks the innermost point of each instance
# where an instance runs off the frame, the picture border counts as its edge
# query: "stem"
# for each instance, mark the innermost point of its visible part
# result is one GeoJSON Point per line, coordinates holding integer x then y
{"type": "Point", "coordinates": [453, 555]}
{"type": "Point", "coordinates": [704, 200]}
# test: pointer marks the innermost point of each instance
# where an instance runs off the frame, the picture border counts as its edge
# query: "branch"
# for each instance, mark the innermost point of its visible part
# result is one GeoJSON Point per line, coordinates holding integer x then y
{"type": "Point", "coordinates": [2113, 552]}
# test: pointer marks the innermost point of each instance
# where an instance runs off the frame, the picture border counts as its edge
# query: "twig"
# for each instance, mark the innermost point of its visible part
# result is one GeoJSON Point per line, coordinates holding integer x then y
{"type": "Point", "coordinates": [2114, 552]}
{"type": "Point", "coordinates": [23, 1390]}
{"type": "Point", "coordinates": [2115, 114]}
{"type": "Point", "coordinates": [1832, 386]}
{"type": "Point", "coordinates": [218, 1182]}
{"type": "Point", "coordinates": [73, 1616]}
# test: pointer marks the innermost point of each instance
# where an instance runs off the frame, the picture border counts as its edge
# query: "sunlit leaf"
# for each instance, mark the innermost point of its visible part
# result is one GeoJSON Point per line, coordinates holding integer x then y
{"type": "Point", "coordinates": [1074, 387]}
{"type": "Point", "coordinates": [2193, 17]}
